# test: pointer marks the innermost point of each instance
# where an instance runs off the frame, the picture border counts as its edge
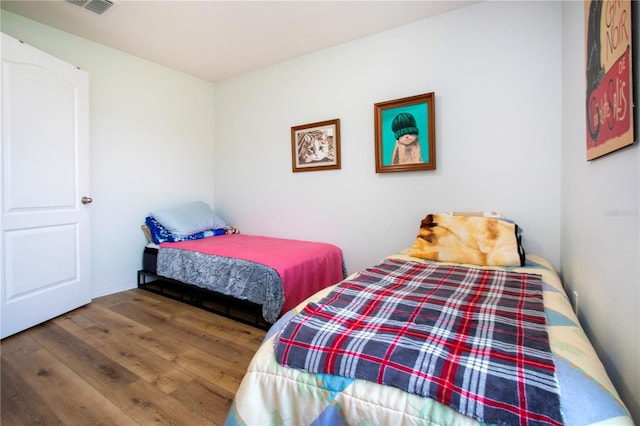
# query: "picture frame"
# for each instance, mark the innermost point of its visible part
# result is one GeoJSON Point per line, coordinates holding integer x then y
{"type": "Point", "coordinates": [608, 76]}
{"type": "Point", "coordinates": [395, 122]}
{"type": "Point", "coordinates": [316, 146]}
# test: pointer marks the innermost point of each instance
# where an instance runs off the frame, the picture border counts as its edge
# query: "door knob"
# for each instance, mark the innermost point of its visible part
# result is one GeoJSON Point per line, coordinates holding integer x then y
{"type": "Point", "coordinates": [87, 200]}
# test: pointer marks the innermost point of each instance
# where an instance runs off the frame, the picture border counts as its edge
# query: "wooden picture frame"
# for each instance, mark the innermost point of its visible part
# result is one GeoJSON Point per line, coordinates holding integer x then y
{"type": "Point", "coordinates": [405, 133]}
{"type": "Point", "coordinates": [316, 146]}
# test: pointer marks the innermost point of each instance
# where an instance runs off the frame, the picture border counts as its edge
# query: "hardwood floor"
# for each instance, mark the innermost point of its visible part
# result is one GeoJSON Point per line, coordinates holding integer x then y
{"type": "Point", "coordinates": [125, 359]}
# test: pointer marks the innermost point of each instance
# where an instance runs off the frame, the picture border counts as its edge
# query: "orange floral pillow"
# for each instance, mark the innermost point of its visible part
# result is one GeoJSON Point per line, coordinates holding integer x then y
{"type": "Point", "coordinates": [473, 240]}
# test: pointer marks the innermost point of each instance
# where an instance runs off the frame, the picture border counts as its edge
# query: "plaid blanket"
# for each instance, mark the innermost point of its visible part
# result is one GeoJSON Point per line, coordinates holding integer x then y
{"type": "Point", "coordinates": [473, 339]}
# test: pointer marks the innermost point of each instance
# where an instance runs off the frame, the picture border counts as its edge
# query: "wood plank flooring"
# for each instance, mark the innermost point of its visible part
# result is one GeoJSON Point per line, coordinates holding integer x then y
{"type": "Point", "coordinates": [126, 359]}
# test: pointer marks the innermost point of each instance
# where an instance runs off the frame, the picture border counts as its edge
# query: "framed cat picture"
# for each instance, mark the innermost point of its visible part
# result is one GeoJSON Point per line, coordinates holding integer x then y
{"type": "Point", "coordinates": [316, 146]}
{"type": "Point", "coordinates": [405, 131]}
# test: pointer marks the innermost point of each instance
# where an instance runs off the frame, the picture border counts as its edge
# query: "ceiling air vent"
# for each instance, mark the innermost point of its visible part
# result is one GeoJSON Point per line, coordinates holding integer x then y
{"type": "Point", "coordinates": [96, 6]}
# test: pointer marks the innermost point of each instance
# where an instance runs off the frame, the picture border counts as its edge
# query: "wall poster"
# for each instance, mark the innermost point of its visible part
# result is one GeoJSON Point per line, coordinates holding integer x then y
{"type": "Point", "coordinates": [609, 88]}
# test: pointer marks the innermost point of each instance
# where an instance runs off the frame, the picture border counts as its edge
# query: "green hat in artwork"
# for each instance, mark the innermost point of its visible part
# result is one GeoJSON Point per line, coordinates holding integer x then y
{"type": "Point", "coordinates": [404, 124]}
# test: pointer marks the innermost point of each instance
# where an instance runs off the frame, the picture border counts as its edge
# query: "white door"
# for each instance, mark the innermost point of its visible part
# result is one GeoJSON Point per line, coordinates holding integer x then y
{"type": "Point", "coordinates": [44, 226]}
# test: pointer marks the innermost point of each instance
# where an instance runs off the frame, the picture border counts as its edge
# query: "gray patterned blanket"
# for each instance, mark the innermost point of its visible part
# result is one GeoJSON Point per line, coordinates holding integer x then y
{"type": "Point", "coordinates": [238, 278]}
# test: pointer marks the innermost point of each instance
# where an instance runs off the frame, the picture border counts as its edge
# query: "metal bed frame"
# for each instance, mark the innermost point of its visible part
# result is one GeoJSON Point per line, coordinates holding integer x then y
{"type": "Point", "coordinates": [239, 310]}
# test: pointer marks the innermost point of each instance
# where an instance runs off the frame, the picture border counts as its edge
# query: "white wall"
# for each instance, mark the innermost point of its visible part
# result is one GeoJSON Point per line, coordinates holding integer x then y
{"type": "Point", "coordinates": [496, 77]}
{"type": "Point", "coordinates": [151, 144]}
{"type": "Point", "coordinates": [600, 254]}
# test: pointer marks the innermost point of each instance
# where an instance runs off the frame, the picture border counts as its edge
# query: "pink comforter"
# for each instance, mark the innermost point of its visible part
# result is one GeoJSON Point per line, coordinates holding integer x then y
{"type": "Point", "coordinates": [305, 267]}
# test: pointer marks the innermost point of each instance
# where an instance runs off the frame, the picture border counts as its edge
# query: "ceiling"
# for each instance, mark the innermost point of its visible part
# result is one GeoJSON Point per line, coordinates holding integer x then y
{"type": "Point", "coordinates": [215, 40]}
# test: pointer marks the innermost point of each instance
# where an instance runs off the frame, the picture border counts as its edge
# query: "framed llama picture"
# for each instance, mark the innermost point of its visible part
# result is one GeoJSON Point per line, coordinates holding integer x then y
{"type": "Point", "coordinates": [405, 132]}
{"type": "Point", "coordinates": [316, 146]}
{"type": "Point", "coordinates": [609, 77]}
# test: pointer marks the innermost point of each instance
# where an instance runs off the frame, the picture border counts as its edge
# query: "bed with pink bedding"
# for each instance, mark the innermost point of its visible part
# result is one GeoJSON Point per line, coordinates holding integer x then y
{"type": "Point", "coordinates": [193, 248]}
{"type": "Point", "coordinates": [275, 273]}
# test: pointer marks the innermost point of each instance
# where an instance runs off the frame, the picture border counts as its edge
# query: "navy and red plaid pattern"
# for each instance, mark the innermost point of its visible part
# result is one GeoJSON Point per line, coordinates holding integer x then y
{"type": "Point", "coordinates": [473, 339]}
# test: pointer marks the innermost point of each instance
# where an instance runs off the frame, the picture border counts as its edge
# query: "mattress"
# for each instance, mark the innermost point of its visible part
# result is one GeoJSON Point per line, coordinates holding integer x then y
{"type": "Point", "coordinates": [273, 393]}
{"type": "Point", "coordinates": [275, 273]}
